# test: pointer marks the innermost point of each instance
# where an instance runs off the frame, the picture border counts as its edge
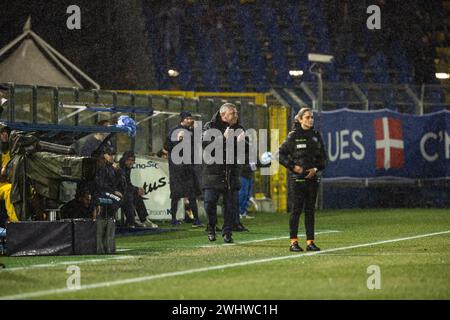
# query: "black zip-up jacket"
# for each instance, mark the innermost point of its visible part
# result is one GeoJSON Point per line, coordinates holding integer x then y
{"type": "Point", "coordinates": [304, 148]}
{"type": "Point", "coordinates": [126, 173]}
{"type": "Point", "coordinates": [184, 181]}
{"type": "Point", "coordinates": [222, 176]}
{"type": "Point", "coordinates": [108, 179]}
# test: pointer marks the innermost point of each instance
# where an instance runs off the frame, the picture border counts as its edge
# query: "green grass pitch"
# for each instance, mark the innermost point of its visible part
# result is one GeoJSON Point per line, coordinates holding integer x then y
{"type": "Point", "coordinates": [411, 248]}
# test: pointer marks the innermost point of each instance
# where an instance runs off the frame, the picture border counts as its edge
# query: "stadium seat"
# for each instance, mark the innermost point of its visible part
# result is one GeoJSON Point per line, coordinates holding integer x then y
{"type": "Point", "coordinates": [204, 52]}
{"type": "Point", "coordinates": [257, 63]}
{"type": "Point", "coordinates": [353, 63]}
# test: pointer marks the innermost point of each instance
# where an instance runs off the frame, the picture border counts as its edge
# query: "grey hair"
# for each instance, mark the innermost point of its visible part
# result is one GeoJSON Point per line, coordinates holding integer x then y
{"type": "Point", "coordinates": [226, 106]}
{"type": "Point", "coordinates": [301, 112]}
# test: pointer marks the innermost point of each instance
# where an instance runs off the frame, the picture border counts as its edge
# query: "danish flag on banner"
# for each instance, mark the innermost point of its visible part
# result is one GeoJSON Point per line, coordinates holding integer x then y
{"type": "Point", "coordinates": [389, 143]}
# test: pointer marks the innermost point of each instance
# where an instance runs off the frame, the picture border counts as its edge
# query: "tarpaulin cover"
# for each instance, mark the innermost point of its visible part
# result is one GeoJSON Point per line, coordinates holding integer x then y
{"type": "Point", "coordinates": [39, 238]}
{"type": "Point", "coordinates": [94, 237]}
{"type": "Point", "coordinates": [64, 237]}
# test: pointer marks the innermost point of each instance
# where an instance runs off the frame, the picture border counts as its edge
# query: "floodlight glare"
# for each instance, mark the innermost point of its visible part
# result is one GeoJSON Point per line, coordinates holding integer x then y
{"type": "Point", "coordinates": [317, 57]}
{"type": "Point", "coordinates": [295, 73]}
{"type": "Point", "coordinates": [442, 75]}
{"type": "Point", "coordinates": [173, 73]}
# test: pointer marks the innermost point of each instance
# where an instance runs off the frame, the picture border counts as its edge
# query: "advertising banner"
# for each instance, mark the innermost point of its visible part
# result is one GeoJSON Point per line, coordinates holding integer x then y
{"type": "Point", "coordinates": [385, 143]}
{"type": "Point", "coordinates": [152, 174]}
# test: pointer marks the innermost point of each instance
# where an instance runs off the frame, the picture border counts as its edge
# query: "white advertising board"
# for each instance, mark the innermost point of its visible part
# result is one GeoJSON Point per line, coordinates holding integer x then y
{"type": "Point", "coordinates": [152, 174]}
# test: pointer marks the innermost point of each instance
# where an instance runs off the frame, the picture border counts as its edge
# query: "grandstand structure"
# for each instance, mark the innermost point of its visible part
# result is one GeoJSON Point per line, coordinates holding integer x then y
{"type": "Point", "coordinates": [250, 46]}
{"type": "Point", "coordinates": [241, 51]}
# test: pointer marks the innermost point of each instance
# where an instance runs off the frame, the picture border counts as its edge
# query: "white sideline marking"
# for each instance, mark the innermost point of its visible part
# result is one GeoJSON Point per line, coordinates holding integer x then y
{"type": "Point", "coordinates": [62, 263]}
{"type": "Point", "coordinates": [231, 244]}
{"type": "Point", "coordinates": [219, 267]}
{"type": "Point", "coordinates": [258, 240]}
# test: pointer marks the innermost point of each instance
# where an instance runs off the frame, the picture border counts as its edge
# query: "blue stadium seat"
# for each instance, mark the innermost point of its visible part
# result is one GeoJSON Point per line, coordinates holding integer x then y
{"type": "Point", "coordinates": [256, 61]}
{"type": "Point", "coordinates": [353, 63]}
{"type": "Point", "coordinates": [276, 45]}
{"type": "Point", "coordinates": [320, 28]}
{"type": "Point", "coordinates": [435, 97]}
{"type": "Point", "coordinates": [378, 63]}
{"type": "Point", "coordinates": [156, 47]}
{"type": "Point", "coordinates": [205, 55]}
{"type": "Point", "coordinates": [234, 73]}
{"type": "Point", "coordinates": [300, 41]}
{"type": "Point", "coordinates": [401, 64]}
{"type": "Point", "coordinates": [182, 63]}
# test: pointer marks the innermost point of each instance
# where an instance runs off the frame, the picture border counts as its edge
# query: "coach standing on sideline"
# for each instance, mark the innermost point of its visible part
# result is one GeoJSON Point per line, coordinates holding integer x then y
{"type": "Point", "coordinates": [303, 154]}
{"type": "Point", "coordinates": [223, 177]}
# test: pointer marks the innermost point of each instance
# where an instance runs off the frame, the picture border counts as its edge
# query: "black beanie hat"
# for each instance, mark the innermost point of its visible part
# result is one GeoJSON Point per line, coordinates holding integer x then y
{"type": "Point", "coordinates": [184, 114]}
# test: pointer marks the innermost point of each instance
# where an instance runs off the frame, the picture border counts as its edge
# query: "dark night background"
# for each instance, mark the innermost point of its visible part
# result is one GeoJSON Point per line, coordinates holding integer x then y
{"type": "Point", "coordinates": [121, 43]}
{"type": "Point", "coordinates": [111, 47]}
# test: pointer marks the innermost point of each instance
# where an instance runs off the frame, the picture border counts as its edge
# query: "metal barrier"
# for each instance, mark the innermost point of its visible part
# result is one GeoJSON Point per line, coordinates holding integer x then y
{"type": "Point", "coordinates": [155, 112]}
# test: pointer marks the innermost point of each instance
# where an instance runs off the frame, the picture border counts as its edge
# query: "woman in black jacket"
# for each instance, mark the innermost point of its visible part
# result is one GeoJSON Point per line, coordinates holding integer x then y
{"type": "Point", "coordinates": [303, 154]}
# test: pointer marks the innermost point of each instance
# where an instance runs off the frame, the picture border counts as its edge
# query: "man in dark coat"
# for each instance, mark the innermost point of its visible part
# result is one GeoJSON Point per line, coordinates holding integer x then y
{"type": "Point", "coordinates": [221, 175]}
{"type": "Point", "coordinates": [184, 181]}
{"type": "Point", "coordinates": [109, 184]}
{"type": "Point", "coordinates": [80, 207]}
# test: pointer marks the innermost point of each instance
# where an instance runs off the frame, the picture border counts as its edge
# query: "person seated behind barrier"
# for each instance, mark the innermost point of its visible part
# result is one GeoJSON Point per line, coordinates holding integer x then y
{"type": "Point", "coordinates": [3, 98]}
{"type": "Point", "coordinates": [132, 198]}
{"type": "Point", "coordinates": [5, 185]}
{"type": "Point", "coordinates": [81, 206]}
{"type": "Point", "coordinates": [5, 194]}
{"type": "Point", "coordinates": [94, 140]}
{"type": "Point", "coordinates": [109, 183]}
{"type": "Point", "coordinates": [162, 154]}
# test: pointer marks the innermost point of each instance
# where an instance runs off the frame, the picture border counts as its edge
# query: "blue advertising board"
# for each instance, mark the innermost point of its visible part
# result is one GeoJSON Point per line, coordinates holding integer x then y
{"type": "Point", "coordinates": [385, 143]}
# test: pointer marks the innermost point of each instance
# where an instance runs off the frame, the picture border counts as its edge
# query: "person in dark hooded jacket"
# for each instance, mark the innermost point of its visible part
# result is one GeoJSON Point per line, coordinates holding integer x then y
{"type": "Point", "coordinates": [132, 197]}
{"type": "Point", "coordinates": [184, 177]}
{"type": "Point", "coordinates": [221, 177]}
{"type": "Point", "coordinates": [109, 183]}
{"type": "Point", "coordinates": [303, 154]}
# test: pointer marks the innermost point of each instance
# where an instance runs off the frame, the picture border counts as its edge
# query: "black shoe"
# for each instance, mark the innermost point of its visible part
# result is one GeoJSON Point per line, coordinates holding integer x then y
{"type": "Point", "coordinates": [240, 228]}
{"type": "Point", "coordinates": [227, 238]}
{"type": "Point", "coordinates": [312, 247]}
{"type": "Point", "coordinates": [197, 224]}
{"type": "Point", "coordinates": [217, 229]}
{"type": "Point", "coordinates": [138, 224]}
{"type": "Point", "coordinates": [295, 247]}
{"type": "Point", "coordinates": [175, 223]}
{"type": "Point", "coordinates": [211, 236]}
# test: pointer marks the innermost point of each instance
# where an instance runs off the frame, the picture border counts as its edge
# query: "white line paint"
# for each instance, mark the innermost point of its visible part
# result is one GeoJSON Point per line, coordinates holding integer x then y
{"type": "Point", "coordinates": [35, 294]}
{"type": "Point", "coordinates": [259, 240]}
{"type": "Point", "coordinates": [231, 244]}
{"type": "Point", "coordinates": [56, 264]}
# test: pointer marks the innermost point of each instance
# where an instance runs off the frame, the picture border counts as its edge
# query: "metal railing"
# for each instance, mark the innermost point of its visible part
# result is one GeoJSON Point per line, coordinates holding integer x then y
{"type": "Point", "coordinates": [73, 106]}
{"type": "Point", "coordinates": [404, 98]}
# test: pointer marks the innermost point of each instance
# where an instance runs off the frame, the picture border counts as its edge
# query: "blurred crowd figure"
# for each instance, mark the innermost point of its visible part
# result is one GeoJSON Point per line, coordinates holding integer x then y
{"type": "Point", "coordinates": [133, 201]}
{"type": "Point", "coordinates": [184, 178]}
{"type": "Point", "coordinates": [7, 211]}
{"type": "Point", "coordinates": [415, 30]}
